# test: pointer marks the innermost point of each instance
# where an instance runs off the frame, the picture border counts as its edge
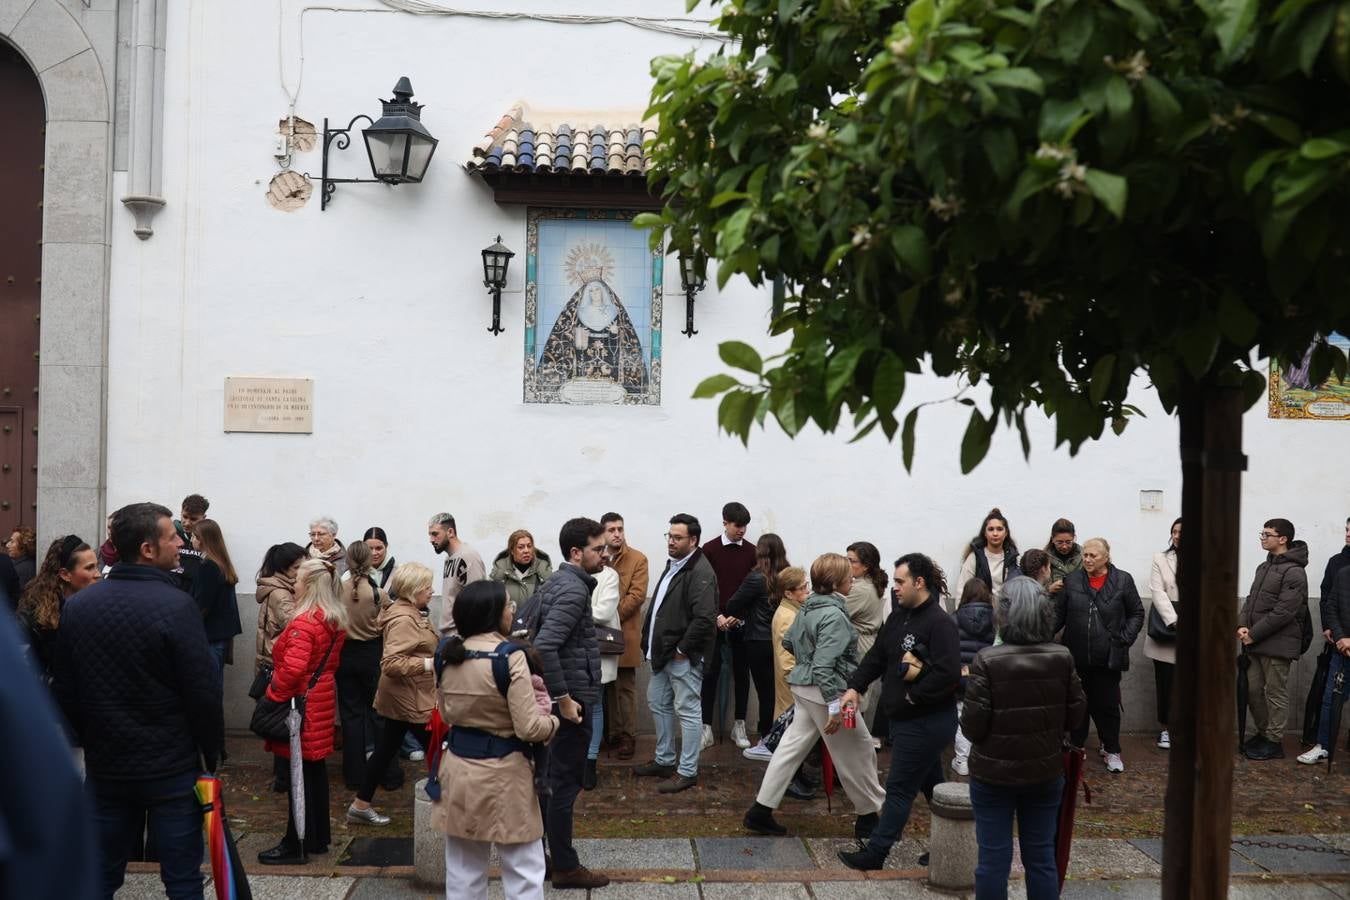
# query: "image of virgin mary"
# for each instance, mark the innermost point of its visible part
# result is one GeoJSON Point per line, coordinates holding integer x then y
{"type": "Point", "coordinates": [593, 340]}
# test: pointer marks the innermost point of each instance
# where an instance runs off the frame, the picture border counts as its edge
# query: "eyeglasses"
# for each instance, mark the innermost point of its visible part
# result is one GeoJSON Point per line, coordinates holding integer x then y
{"type": "Point", "coordinates": [677, 537]}
{"type": "Point", "coordinates": [317, 533]}
{"type": "Point", "coordinates": [1268, 534]}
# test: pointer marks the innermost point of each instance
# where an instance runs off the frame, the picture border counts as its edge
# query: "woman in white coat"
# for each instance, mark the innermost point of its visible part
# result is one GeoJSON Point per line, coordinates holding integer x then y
{"type": "Point", "coordinates": [605, 611]}
{"type": "Point", "coordinates": [1162, 585]}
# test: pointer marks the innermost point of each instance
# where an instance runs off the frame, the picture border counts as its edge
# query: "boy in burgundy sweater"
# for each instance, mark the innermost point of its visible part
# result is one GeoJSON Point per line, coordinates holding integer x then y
{"type": "Point", "coordinates": [732, 557]}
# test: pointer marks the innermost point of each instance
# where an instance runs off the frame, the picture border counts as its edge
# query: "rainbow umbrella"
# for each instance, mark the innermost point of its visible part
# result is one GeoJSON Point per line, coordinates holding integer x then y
{"type": "Point", "coordinates": [227, 869]}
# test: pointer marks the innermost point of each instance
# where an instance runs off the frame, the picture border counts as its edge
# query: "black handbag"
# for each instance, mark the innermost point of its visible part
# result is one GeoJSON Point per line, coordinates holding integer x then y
{"type": "Point", "coordinates": [269, 716]}
{"type": "Point", "coordinates": [610, 640]}
{"type": "Point", "coordinates": [261, 681]}
{"type": "Point", "coordinates": [1163, 634]}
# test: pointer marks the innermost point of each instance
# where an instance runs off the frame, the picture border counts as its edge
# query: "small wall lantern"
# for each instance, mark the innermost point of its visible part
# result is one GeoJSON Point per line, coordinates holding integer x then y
{"type": "Point", "coordinates": [693, 278]}
{"type": "Point", "coordinates": [398, 145]}
{"type": "Point", "coordinates": [496, 260]}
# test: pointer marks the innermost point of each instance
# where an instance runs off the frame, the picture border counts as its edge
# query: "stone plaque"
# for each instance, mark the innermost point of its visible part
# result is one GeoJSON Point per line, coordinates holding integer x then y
{"type": "Point", "coordinates": [277, 405]}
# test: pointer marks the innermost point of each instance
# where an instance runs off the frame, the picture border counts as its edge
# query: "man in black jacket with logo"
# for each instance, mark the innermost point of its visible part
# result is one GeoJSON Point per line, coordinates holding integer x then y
{"type": "Point", "coordinates": [918, 658]}
{"type": "Point", "coordinates": [567, 646]}
{"type": "Point", "coordinates": [141, 690]}
{"type": "Point", "coordinates": [677, 636]}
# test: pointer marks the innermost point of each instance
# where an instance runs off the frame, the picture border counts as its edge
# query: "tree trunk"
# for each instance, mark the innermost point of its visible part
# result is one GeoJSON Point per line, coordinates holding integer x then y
{"type": "Point", "coordinates": [1198, 825]}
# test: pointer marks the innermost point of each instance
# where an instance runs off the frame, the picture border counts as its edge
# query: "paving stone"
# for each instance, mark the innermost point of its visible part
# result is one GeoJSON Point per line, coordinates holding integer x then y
{"type": "Point", "coordinates": [876, 890]}
{"type": "Point", "coordinates": [752, 853]}
{"type": "Point", "coordinates": [1096, 858]}
{"type": "Point", "coordinates": [653, 853]}
{"type": "Point", "coordinates": [283, 887]}
{"type": "Point", "coordinates": [392, 889]}
{"type": "Point", "coordinates": [1336, 840]}
{"type": "Point", "coordinates": [1249, 891]}
{"type": "Point", "coordinates": [1152, 848]}
{"type": "Point", "coordinates": [145, 887]}
{"type": "Point", "coordinates": [781, 891]}
{"type": "Point", "coordinates": [626, 891]}
{"type": "Point", "coordinates": [1295, 862]}
{"type": "Point", "coordinates": [1142, 889]}
{"type": "Point", "coordinates": [1338, 889]}
{"type": "Point", "coordinates": [903, 856]}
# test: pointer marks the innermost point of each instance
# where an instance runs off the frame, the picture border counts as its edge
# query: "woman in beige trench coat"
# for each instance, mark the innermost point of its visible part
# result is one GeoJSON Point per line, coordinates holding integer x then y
{"type": "Point", "coordinates": [487, 780]}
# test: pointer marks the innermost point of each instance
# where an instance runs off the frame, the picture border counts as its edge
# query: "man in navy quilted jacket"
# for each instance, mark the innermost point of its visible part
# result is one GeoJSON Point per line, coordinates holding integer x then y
{"type": "Point", "coordinates": [141, 690]}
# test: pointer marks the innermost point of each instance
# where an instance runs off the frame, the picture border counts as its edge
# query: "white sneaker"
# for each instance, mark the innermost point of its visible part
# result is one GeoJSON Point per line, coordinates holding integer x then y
{"type": "Point", "coordinates": [1164, 740]}
{"type": "Point", "coordinates": [1313, 756]}
{"type": "Point", "coordinates": [758, 752]}
{"type": "Point", "coordinates": [417, 756]}
{"type": "Point", "coordinates": [707, 738]}
{"type": "Point", "coordinates": [738, 736]}
{"type": "Point", "coordinates": [960, 766]}
{"type": "Point", "coordinates": [1114, 763]}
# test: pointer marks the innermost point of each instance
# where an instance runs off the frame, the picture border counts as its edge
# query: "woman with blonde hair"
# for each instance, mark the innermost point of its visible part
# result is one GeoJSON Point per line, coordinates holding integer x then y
{"type": "Point", "coordinates": [825, 645]}
{"type": "Point", "coordinates": [407, 689]}
{"type": "Point", "coordinates": [308, 651]}
{"type": "Point", "coordinates": [213, 587]}
{"type": "Point", "coordinates": [522, 567]}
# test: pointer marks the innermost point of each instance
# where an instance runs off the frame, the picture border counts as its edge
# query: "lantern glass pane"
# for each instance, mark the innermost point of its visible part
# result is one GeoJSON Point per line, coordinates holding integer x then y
{"type": "Point", "coordinates": [387, 150]}
{"type": "Point", "coordinates": [419, 156]}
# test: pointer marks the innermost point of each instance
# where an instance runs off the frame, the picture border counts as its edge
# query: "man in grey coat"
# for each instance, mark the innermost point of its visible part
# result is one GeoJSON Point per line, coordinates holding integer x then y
{"type": "Point", "coordinates": [679, 632]}
{"type": "Point", "coordinates": [564, 636]}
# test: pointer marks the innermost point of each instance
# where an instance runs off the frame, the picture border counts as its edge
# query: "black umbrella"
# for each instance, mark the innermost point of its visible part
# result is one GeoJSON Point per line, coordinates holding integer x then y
{"type": "Point", "coordinates": [1312, 710]}
{"type": "Point", "coordinates": [1337, 700]}
{"type": "Point", "coordinates": [1243, 663]}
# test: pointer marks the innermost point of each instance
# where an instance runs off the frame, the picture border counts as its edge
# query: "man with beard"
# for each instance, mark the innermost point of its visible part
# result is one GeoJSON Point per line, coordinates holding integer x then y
{"type": "Point", "coordinates": [564, 636]}
{"type": "Point", "coordinates": [463, 564]}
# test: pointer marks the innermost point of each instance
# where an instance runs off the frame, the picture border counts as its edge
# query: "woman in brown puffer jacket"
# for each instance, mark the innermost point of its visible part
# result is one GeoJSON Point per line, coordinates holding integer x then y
{"type": "Point", "coordinates": [407, 689]}
{"type": "Point", "coordinates": [276, 597]}
{"type": "Point", "coordinates": [1016, 761]}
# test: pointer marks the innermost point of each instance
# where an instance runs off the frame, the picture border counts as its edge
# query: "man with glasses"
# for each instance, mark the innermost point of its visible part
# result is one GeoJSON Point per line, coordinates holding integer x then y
{"type": "Point", "coordinates": [1270, 627]}
{"type": "Point", "coordinates": [679, 632]}
{"type": "Point", "coordinates": [564, 636]}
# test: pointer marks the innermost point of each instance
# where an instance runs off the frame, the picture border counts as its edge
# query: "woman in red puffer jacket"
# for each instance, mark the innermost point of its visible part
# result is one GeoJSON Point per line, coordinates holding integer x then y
{"type": "Point", "coordinates": [310, 643]}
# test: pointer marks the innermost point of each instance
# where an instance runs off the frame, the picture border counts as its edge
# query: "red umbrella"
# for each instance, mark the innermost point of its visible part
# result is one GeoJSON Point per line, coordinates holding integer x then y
{"type": "Point", "coordinates": [827, 773]}
{"type": "Point", "coordinates": [437, 729]}
{"type": "Point", "coordinates": [1073, 776]}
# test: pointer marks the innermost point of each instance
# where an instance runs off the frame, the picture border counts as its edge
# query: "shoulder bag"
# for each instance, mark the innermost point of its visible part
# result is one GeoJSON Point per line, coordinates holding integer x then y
{"type": "Point", "coordinates": [610, 640]}
{"type": "Point", "coordinates": [269, 716]}
{"type": "Point", "coordinates": [1160, 633]}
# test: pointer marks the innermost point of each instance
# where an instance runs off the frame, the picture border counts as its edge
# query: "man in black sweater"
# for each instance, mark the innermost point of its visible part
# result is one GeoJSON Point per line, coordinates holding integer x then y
{"type": "Point", "coordinates": [918, 658]}
{"type": "Point", "coordinates": [140, 688]}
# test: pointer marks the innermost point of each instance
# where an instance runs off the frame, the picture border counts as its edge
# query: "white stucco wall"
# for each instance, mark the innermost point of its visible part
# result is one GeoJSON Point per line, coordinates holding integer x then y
{"type": "Point", "coordinates": [418, 409]}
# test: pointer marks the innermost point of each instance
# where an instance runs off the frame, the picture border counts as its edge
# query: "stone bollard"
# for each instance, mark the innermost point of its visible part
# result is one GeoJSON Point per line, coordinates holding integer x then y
{"type": "Point", "coordinates": [428, 844]}
{"type": "Point", "coordinates": [952, 851]}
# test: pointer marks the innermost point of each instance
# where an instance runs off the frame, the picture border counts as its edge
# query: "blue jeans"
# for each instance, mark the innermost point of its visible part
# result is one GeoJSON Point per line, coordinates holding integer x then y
{"type": "Point", "coordinates": [1339, 662]}
{"type": "Point", "coordinates": [916, 765]}
{"type": "Point", "coordinates": [1037, 810]}
{"type": "Point", "coordinates": [219, 649]}
{"type": "Point", "coordinates": [120, 809]}
{"type": "Point", "coordinates": [597, 730]}
{"type": "Point", "coordinates": [675, 692]}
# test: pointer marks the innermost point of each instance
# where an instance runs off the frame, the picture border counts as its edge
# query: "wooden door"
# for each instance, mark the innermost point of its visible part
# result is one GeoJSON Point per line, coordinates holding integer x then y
{"type": "Point", "coordinates": [22, 122]}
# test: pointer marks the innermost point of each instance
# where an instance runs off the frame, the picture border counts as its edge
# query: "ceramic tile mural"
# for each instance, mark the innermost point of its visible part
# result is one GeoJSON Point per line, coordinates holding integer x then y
{"type": "Point", "coordinates": [592, 309]}
{"type": "Point", "coordinates": [1294, 396]}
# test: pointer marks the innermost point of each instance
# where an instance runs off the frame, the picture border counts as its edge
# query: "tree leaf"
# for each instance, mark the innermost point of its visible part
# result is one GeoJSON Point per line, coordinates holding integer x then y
{"type": "Point", "coordinates": [975, 444]}
{"type": "Point", "coordinates": [907, 439]}
{"type": "Point", "coordinates": [888, 383]}
{"type": "Point", "coordinates": [1102, 374]}
{"type": "Point", "coordinates": [1256, 172]}
{"type": "Point", "coordinates": [1313, 36]}
{"type": "Point", "coordinates": [736, 413]}
{"type": "Point", "coordinates": [714, 385]}
{"type": "Point", "coordinates": [1118, 97]}
{"type": "Point", "coordinates": [1000, 146]}
{"type": "Point", "coordinates": [839, 370]}
{"type": "Point", "coordinates": [741, 355]}
{"type": "Point", "coordinates": [726, 197]}
{"type": "Point", "coordinates": [1147, 22]}
{"type": "Point", "coordinates": [733, 231]}
{"type": "Point", "coordinates": [1111, 191]}
{"type": "Point", "coordinates": [1232, 21]}
{"type": "Point", "coordinates": [1021, 79]}
{"type": "Point", "coordinates": [911, 245]}
{"type": "Point", "coordinates": [1162, 103]}
{"type": "Point", "coordinates": [1322, 148]}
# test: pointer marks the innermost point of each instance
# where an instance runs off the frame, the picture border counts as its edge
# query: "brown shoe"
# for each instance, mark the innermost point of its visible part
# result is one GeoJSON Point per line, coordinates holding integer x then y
{"type": "Point", "coordinates": [625, 746]}
{"type": "Point", "coordinates": [580, 877]}
{"type": "Point", "coordinates": [677, 784]}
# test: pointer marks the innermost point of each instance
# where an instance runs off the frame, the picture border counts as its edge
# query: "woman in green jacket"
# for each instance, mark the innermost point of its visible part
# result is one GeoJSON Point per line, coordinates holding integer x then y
{"type": "Point", "coordinates": [825, 645]}
{"type": "Point", "coordinates": [521, 567]}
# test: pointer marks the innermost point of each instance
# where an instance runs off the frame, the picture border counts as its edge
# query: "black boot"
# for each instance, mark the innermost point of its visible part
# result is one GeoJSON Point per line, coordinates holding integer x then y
{"type": "Point", "coordinates": [863, 859]}
{"type": "Point", "coordinates": [589, 777]}
{"type": "Point", "coordinates": [760, 820]}
{"type": "Point", "coordinates": [863, 825]}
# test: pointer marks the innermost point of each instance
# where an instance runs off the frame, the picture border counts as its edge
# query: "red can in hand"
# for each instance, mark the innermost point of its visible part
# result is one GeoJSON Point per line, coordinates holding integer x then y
{"type": "Point", "coordinates": [850, 716]}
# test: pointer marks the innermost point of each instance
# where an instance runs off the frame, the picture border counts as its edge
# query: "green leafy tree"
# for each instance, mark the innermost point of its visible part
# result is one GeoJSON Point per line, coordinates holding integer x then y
{"type": "Point", "coordinates": [1045, 197]}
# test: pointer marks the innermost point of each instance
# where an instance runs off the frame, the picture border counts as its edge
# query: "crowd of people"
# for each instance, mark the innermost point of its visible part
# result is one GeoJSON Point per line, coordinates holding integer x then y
{"type": "Point", "coordinates": [532, 667]}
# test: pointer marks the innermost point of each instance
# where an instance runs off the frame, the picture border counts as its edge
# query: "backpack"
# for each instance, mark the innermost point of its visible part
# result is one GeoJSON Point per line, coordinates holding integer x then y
{"type": "Point", "coordinates": [500, 656]}
{"type": "Point", "coordinates": [1306, 626]}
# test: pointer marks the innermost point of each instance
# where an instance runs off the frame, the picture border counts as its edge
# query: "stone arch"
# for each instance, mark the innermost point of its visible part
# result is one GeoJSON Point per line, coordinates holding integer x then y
{"type": "Point", "coordinates": [77, 203]}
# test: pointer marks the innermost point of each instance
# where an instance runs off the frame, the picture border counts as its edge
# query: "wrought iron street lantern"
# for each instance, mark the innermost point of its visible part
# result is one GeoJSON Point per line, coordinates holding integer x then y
{"type": "Point", "coordinates": [496, 260]}
{"type": "Point", "coordinates": [693, 278]}
{"type": "Point", "coordinates": [398, 145]}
